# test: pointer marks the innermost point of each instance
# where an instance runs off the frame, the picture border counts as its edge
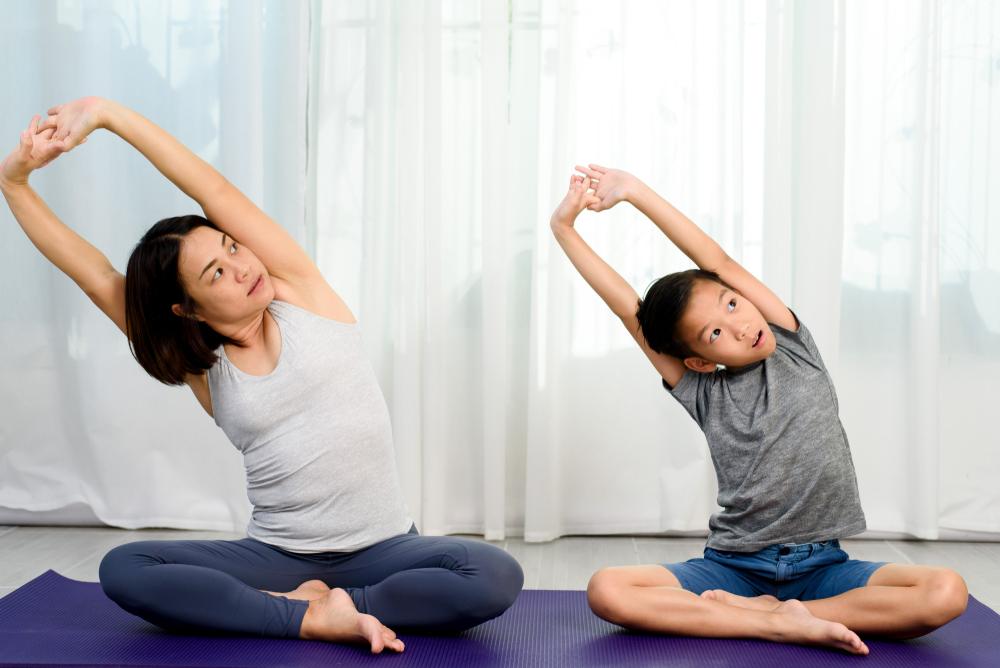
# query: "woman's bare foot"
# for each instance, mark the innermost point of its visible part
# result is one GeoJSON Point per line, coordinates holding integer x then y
{"type": "Point", "coordinates": [333, 617]}
{"type": "Point", "coordinates": [796, 624]}
{"type": "Point", "coordinates": [309, 590]}
{"type": "Point", "coordinates": [765, 602]}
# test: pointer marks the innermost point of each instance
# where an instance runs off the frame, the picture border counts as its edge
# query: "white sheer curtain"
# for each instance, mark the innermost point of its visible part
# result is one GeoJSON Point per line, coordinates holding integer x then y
{"type": "Point", "coordinates": [85, 435]}
{"type": "Point", "coordinates": [841, 150]}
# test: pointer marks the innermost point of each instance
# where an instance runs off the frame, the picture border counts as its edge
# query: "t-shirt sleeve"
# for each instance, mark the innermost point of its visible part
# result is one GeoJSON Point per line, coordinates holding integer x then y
{"type": "Point", "coordinates": [797, 345]}
{"type": "Point", "coordinates": [691, 391]}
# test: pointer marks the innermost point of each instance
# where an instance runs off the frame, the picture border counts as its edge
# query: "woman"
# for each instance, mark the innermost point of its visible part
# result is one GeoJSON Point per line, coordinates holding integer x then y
{"type": "Point", "coordinates": [231, 306]}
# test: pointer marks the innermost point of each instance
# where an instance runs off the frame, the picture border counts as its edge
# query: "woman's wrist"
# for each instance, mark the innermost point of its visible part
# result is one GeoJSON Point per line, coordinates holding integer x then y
{"type": "Point", "coordinates": [9, 183]}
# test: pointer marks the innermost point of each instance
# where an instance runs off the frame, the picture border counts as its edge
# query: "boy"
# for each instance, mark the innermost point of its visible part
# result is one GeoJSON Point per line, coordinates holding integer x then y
{"type": "Point", "coordinates": [772, 565]}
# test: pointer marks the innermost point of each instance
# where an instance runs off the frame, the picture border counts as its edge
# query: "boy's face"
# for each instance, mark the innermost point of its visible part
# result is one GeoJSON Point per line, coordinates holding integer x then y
{"type": "Point", "coordinates": [722, 327]}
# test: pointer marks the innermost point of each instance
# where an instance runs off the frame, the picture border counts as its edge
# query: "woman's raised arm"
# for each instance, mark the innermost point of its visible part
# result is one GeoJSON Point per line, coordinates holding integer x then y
{"type": "Point", "coordinates": [63, 247]}
{"type": "Point", "coordinates": [222, 203]}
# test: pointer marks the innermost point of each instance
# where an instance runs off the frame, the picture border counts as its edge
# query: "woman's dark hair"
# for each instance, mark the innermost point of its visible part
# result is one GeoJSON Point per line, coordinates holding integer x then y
{"type": "Point", "coordinates": [166, 345]}
{"type": "Point", "coordinates": [660, 312]}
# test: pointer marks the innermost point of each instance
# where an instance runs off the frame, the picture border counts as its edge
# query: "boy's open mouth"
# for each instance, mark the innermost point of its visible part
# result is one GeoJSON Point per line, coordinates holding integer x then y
{"type": "Point", "coordinates": [760, 337]}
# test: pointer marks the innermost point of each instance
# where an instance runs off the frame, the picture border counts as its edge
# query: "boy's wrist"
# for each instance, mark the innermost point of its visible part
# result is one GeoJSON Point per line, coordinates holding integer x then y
{"type": "Point", "coordinates": [637, 193]}
{"type": "Point", "coordinates": [560, 225]}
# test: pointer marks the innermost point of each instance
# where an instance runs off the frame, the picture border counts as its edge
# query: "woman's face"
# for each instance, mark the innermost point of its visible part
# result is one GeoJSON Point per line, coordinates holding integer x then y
{"type": "Point", "coordinates": [227, 281]}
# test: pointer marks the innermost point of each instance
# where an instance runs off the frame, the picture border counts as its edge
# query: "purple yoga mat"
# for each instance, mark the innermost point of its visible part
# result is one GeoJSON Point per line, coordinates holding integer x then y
{"type": "Point", "coordinates": [53, 620]}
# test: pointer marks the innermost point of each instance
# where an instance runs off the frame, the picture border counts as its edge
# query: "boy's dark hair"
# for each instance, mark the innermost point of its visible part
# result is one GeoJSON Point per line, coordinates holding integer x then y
{"type": "Point", "coordinates": [166, 345]}
{"type": "Point", "coordinates": [660, 312]}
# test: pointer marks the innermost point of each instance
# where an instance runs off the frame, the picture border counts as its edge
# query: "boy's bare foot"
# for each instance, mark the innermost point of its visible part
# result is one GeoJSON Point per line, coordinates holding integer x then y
{"type": "Point", "coordinates": [333, 617]}
{"type": "Point", "coordinates": [765, 602]}
{"type": "Point", "coordinates": [796, 624]}
{"type": "Point", "coordinates": [309, 590]}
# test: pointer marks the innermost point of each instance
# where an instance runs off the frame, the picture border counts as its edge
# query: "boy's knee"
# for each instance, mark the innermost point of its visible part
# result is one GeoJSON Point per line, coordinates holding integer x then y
{"type": "Point", "coordinates": [947, 597]}
{"type": "Point", "coordinates": [604, 595]}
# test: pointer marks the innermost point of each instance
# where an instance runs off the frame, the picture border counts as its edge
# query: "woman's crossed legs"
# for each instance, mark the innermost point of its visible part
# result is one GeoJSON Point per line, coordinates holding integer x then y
{"type": "Point", "coordinates": [428, 584]}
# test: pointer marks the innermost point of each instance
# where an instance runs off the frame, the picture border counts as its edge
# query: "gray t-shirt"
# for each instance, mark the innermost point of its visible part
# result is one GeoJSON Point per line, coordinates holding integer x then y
{"type": "Point", "coordinates": [780, 452]}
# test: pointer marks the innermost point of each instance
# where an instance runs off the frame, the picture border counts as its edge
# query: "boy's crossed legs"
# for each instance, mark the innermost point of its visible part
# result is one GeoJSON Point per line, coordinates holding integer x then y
{"type": "Point", "coordinates": [840, 599]}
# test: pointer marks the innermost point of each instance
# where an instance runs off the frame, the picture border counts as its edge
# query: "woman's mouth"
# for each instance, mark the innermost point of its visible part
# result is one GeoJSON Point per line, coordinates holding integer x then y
{"type": "Point", "coordinates": [256, 284]}
{"type": "Point", "coordinates": [760, 337]}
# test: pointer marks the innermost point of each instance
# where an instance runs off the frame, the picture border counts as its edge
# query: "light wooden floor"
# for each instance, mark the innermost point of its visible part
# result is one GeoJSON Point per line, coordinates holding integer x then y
{"type": "Point", "coordinates": [567, 563]}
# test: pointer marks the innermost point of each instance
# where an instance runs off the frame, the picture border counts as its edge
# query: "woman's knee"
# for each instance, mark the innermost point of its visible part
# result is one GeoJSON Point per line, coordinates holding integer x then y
{"type": "Point", "coordinates": [497, 583]}
{"type": "Point", "coordinates": [118, 572]}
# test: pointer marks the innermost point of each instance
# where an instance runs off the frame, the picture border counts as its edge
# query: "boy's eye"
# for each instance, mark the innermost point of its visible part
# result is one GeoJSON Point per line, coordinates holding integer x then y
{"type": "Point", "coordinates": [714, 335]}
{"type": "Point", "coordinates": [732, 304]}
{"type": "Point", "coordinates": [232, 248]}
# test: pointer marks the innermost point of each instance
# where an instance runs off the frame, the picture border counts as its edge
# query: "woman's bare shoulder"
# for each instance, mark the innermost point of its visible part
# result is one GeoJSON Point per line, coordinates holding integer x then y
{"type": "Point", "coordinates": [317, 297]}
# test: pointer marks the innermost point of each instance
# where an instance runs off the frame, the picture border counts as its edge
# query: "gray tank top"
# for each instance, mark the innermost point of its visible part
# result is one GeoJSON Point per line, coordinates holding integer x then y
{"type": "Point", "coordinates": [315, 437]}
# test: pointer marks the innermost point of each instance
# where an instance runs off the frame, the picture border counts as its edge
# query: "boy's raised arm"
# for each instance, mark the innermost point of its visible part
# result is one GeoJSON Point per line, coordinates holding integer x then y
{"type": "Point", "coordinates": [620, 297]}
{"type": "Point", "coordinates": [614, 185]}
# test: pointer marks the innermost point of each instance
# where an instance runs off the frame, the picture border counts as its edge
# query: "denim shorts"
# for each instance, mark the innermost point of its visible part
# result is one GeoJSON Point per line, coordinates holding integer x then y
{"type": "Point", "coordinates": [805, 571]}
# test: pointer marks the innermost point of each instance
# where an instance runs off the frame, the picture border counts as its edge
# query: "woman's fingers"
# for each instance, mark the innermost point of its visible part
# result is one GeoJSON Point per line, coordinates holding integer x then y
{"type": "Point", "coordinates": [589, 172]}
{"type": "Point", "coordinates": [599, 169]}
{"type": "Point", "coordinates": [55, 109]}
{"type": "Point", "coordinates": [49, 122]}
{"type": "Point", "coordinates": [27, 140]}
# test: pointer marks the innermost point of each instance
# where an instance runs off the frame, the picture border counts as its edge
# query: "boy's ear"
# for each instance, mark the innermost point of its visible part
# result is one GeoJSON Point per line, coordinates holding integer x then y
{"type": "Point", "coordinates": [700, 364]}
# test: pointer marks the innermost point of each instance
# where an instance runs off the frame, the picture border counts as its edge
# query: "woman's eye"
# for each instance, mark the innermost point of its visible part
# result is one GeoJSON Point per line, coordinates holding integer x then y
{"type": "Point", "coordinates": [732, 304]}
{"type": "Point", "coordinates": [714, 335]}
{"type": "Point", "coordinates": [217, 274]}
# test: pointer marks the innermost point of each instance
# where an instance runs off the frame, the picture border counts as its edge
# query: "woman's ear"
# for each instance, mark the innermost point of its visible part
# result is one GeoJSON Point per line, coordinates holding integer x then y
{"type": "Point", "coordinates": [700, 364]}
{"type": "Point", "coordinates": [179, 312]}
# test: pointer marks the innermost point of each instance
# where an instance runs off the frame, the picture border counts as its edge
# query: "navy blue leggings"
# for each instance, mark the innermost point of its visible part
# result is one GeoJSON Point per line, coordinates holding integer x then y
{"type": "Point", "coordinates": [409, 582]}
